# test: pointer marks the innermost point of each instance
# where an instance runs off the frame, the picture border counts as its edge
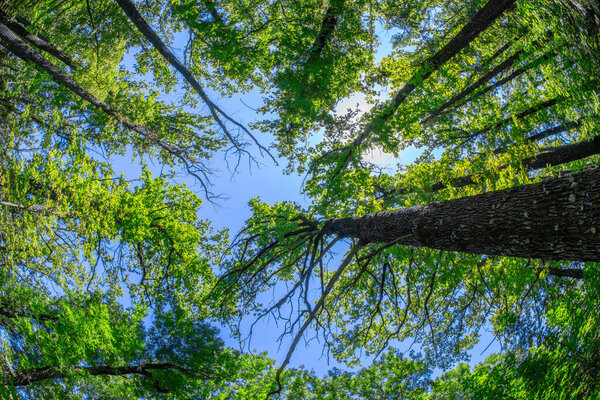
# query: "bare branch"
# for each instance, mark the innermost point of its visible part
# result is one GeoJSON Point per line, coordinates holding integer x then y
{"type": "Point", "coordinates": [141, 24]}
{"type": "Point", "coordinates": [334, 278]}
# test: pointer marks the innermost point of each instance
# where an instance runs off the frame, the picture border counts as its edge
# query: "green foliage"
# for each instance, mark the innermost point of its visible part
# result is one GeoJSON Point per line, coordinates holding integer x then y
{"type": "Point", "coordinates": [101, 272]}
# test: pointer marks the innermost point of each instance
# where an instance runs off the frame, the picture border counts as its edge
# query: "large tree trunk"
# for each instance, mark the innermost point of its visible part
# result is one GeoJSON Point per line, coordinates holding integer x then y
{"type": "Point", "coordinates": [558, 219]}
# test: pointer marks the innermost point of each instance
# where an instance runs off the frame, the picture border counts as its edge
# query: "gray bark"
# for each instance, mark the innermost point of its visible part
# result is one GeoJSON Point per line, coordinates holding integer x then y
{"type": "Point", "coordinates": [558, 219]}
{"type": "Point", "coordinates": [38, 41]}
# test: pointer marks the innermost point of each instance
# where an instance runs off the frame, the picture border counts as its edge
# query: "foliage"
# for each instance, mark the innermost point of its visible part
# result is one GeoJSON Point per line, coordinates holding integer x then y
{"type": "Point", "coordinates": [109, 284]}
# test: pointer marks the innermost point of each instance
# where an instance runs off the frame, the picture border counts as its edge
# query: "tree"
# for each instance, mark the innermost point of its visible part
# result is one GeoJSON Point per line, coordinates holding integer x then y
{"type": "Point", "coordinates": [511, 222]}
{"type": "Point", "coordinates": [90, 347]}
{"type": "Point", "coordinates": [500, 103]}
{"type": "Point", "coordinates": [384, 288]}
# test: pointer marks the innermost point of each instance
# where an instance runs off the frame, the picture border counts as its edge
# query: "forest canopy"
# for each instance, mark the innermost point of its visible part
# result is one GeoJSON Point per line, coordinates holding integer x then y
{"type": "Point", "coordinates": [487, 226]}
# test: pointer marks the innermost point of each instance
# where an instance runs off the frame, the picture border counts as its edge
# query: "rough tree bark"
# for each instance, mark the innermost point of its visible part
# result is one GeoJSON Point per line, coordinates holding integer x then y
{"type": "Point", "coordinates": [558, 219]}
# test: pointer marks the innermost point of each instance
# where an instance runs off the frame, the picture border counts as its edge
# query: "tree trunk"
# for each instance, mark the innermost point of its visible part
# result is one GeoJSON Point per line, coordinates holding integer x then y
{"type": "Point", "coordinates": [558, 219]}
{"type": "Point", "coordinates": [506, 121]}
{"type": "Point", "coordinates": [140, 23]}
{"type": "Point", "coordinates": [19, 48]}
{"type": "Point", "coordinates": [30, 376]}
{"type": "Point", "coordinates": [38, 41]}
{"type": "Point", "coordinates": [483, 19]}
{"type": "Point", "coordinates": [470, 89]}
{"type": "Point", "coordinates": [549, 157]}
{"type": "Point", "coordinates": [327, 28]}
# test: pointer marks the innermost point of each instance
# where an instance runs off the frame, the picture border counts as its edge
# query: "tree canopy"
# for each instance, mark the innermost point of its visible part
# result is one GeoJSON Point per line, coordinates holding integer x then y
{"type": "Point", "coordinates": [113, 286]}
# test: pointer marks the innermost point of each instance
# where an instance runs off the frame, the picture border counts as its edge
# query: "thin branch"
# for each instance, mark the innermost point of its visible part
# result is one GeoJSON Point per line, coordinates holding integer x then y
{"type": "Point", "coordinates": [136, 18]}
{"type": "Point", "coordinates": [334, 278]}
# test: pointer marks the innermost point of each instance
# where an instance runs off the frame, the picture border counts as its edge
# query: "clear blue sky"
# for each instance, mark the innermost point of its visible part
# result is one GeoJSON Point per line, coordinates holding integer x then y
{"type": "Point", "coordinates": [271, 185]}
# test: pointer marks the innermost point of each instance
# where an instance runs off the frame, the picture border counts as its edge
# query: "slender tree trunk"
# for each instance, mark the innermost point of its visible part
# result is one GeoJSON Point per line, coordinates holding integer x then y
{"type": "Point", "coordinates": [547, 133]}
{"type": "Point", "coordinates": [523, 114]}
{"type": "Point", "coordinates": [553, 156]}
{"type": "Point", "coordinates": [38, 41]}
{"type": "Point", "coordinates": [470, 89]}
{"type": "Point", "coordinates": [574, 273]}
{"type": "Point", "coordinates": [549, 157]}
{"type": "Point", "coordinates": [15, 45]}
{"type": "Point", "coordinates": [483, 19]}
{"type": "Point", "coordinates": [140, 23]}
{"type": "Point", "coordinates": [327, 28]}
{"type": "Point", "coordinates": [463, 98]}
{"type": "Point", "coordinates": [9, 311]}
{"type": "Point", "coordinates": [558, 219]}
{"type": "Point", "coordinates": [212, 9]}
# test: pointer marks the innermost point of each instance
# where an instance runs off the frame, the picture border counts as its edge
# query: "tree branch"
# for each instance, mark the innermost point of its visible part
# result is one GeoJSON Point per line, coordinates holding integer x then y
{"type": "Point", "coordinates": [33, 375]}
{"type": "Point", "coordinates": [38, 41]}
{"type": "Point", "coordinates": [334, 278]}
{"type": "Point", "coordinates": [140, 23]}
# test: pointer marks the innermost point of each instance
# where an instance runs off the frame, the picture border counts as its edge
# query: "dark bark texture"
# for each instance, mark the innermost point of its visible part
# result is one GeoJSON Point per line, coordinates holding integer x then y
{"type": "Point", "coordinates": [558, 219]}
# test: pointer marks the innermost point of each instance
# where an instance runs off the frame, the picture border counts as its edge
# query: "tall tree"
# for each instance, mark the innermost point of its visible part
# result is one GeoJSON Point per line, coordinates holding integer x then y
{"type": "Point", "coordinates": [387, 286]}
{"type": "Point", "coordinates": [491, 93]}
{"type": "Point", "coordinates": [88, 344]}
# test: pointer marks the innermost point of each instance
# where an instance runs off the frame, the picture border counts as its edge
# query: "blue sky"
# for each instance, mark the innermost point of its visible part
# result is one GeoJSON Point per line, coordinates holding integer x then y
{"type": "Point", "coordinates": [268, 182]}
